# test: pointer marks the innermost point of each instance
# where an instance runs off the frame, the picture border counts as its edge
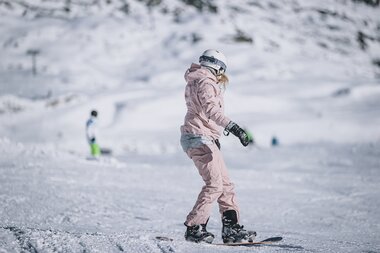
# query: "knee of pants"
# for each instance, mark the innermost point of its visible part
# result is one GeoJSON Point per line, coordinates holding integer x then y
{"type": "Point", "coordinates": [214, 186]}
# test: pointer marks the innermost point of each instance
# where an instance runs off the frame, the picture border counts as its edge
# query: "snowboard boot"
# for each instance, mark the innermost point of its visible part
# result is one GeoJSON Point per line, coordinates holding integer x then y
{"type": "Point", "coordinates": [232, 231]}
{"type": "Point", "coordinates": [198, 233]}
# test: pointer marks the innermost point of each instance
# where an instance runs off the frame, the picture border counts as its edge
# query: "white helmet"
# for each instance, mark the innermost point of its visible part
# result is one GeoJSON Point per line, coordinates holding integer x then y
{"type": "Point", "coordinates": [214, 59]}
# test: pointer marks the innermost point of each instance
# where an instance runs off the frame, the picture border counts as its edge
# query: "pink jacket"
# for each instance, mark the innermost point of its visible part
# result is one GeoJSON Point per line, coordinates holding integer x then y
{"type": "Point", "coordinates": [205, 105]}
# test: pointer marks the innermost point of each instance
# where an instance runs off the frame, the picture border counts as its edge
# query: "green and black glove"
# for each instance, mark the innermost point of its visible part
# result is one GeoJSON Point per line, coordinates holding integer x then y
{"type": "Point", "coordinates": [243, 136]}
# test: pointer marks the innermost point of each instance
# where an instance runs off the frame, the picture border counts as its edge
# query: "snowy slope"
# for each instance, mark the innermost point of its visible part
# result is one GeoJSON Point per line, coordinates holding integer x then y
{"type": "Point", "coordinates": [53, 201]}
{"type": "Point", "coordinates": [303, 71]}
{"type": "Point", "coordinates": [282, 40]}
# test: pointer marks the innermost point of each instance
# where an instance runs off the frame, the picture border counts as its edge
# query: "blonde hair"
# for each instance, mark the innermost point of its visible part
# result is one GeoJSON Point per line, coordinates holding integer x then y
{"type": "Point", "coordinates": [223, 80]}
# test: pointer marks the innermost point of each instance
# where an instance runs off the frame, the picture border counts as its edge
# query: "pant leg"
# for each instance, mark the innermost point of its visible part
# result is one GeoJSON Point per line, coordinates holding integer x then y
{"type": "Point", "coordinates": [95, 149]}
{"type": "Point", "coordinates": [208, 165]}
{"type": "Point", "coordinates": [227, 200]}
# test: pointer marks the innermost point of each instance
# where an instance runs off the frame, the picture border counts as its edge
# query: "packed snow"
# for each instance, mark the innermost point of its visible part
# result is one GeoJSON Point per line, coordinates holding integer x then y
{"type": "Point", "coordinates": [300, 71]}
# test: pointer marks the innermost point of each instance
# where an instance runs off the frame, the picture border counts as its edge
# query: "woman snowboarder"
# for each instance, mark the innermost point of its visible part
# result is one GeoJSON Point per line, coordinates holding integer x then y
{"type": "Point", "coordinates": [200, 135]}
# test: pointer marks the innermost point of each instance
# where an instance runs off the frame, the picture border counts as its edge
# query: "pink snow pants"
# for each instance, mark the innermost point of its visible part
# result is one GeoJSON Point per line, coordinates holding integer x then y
{"type": "Point", "coordinates": [211, 167]}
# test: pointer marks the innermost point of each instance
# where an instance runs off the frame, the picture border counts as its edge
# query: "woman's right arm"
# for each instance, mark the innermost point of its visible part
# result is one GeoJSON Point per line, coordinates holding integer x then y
{"type": "Point", "coordinates": [211, 105]}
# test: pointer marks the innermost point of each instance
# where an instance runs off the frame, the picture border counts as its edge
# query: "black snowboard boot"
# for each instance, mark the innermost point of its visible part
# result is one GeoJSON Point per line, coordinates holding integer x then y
{"type": "Point", "coordinates": [198, 233]}
{"type": "Point", "coordinates": [232, 231]}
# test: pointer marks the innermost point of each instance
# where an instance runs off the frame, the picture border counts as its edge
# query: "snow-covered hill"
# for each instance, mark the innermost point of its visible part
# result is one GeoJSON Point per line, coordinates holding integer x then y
{"type": "Point", "coordinates": [299, 60]}
{"type": "Point", "coordinates": [303, 71]}
{"type": "Point", "coordinates": [108, 44]}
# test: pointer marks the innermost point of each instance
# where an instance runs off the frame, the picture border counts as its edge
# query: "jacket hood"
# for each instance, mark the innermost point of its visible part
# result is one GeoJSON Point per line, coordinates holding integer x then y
{"type": "Point", "coordinates": [196, 72]}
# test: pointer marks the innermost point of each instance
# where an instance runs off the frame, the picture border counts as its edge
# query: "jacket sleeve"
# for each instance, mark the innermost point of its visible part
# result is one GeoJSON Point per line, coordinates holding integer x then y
{"type": "Point", "coordinates": [211, 105]}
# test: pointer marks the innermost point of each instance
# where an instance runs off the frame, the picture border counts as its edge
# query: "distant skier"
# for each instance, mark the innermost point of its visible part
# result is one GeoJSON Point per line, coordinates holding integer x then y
{"type": "Point", "coordinates": [200, 135]}
{"type": "Point", "coordinates": [91, 132]}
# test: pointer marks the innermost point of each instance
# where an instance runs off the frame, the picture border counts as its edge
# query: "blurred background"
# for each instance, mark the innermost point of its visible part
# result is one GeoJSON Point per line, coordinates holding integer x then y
{"type": "Point", "coordinates": [300, 70]}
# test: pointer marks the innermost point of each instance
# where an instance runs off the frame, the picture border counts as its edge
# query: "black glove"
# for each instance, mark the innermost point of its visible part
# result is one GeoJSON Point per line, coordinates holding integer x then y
{"type": "Point", "coordinates": [238, 132]}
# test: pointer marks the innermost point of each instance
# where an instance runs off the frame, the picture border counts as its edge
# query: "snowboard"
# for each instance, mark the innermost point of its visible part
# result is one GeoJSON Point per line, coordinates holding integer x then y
{"type": "Point", "coordinates": [105, 151]}
{"type": "Point", "coordinates": [247, 244]}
